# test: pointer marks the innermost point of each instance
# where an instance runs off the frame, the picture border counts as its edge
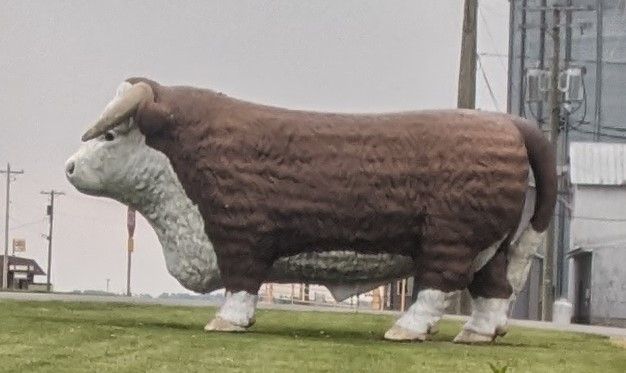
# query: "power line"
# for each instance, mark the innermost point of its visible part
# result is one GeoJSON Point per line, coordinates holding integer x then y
{"type": "Point", "coordinates": [481, 65]}
{"type": "Point", "coordinates": [83, 198]}
{"type": "Point", "coordinates": [87, 217]}
{"type": "Point", "coordinates": [40, 220]}
{"type": "Point", "coordinates": [491, 93]}
{"type": "Point", "coordinates": [613, 128]}
{"type": "Point", "coordinates": [490, 35]}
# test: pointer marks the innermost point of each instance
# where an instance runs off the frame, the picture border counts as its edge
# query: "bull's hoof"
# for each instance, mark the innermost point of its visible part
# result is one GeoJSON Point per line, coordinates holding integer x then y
{"type": "Point", "coordinates": [398, 333]}
{"type": "Point", "coordinates": [220, 325]}
{"type": "Point", "coordinates": [470, 337]}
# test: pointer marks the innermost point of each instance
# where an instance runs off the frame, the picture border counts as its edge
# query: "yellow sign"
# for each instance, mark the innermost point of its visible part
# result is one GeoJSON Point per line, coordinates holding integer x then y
{"type": "Point", "coordinates": [19, 245]}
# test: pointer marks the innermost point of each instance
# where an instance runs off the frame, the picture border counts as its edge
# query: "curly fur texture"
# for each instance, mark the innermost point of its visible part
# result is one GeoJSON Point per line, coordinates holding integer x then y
{"type": "Point", "coordinates": [436, 186]}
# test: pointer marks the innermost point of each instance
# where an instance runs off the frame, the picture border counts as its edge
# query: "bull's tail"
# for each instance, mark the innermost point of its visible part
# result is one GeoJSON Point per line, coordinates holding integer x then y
{"type": "Point", "coordinates": [542, 162]}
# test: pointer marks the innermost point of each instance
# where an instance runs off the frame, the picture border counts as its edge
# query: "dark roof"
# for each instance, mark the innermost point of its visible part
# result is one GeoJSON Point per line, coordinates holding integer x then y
{"type": "Point", "coordinates": [16, 260]}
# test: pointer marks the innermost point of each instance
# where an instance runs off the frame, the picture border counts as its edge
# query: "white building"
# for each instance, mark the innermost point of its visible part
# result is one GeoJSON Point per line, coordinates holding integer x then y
{"type": "Point", "coordinates": [597, 250]}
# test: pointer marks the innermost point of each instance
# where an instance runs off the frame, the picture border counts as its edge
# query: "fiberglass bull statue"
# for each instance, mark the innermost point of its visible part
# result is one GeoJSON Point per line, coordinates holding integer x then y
{"type": "Point", "coordinates": [241, 193]}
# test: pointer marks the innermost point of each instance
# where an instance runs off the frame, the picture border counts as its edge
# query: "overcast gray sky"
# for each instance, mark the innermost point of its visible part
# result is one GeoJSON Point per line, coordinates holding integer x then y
{"type": "Point", "coordinates": [61, 61]}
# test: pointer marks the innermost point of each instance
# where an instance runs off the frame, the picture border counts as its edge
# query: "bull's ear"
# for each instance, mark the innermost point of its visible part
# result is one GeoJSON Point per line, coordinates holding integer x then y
{"type": "Point", "coordinates": [152, 118]}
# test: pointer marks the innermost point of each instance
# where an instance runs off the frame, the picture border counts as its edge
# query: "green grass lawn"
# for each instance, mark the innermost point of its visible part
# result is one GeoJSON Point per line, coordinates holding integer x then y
{"type": "Point", "coordinates": [98, 337]}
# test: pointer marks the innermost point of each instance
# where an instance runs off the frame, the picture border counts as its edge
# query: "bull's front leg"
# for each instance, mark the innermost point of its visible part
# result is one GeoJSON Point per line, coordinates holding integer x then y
{"type": "Point", "coordinates": [236, 314]}
{"type": "Point", "coordinates": [421, 319]}
{"type": "Point", "coordinates": [242, 275]}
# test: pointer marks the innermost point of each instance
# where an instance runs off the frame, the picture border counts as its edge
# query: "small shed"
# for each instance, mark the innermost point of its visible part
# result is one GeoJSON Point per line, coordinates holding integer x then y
{"type": "Point", "coordinates": [21, 272]}
{"type": "Point", "coordinates": [597, 252]}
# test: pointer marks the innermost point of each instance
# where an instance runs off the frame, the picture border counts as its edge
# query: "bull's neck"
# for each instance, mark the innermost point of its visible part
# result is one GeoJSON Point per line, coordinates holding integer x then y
{"type": "Point", "coordinates": [160, 198]}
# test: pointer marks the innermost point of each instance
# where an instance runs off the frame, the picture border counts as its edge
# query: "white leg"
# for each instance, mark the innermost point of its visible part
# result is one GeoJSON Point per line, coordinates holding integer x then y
{"type": "Point", "coordinates": [421, 319]}
{"type": "Point", "coordinates": [488, 320]}
{"type": "Point", "coordinates": [237, 313]}
{"type": "Point", "coordinates": [520, 254]}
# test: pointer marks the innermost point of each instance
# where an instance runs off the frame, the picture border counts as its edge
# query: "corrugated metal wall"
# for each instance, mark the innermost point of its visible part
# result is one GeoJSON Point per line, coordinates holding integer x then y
{"type": "Point", "coordinates": [598, 164]}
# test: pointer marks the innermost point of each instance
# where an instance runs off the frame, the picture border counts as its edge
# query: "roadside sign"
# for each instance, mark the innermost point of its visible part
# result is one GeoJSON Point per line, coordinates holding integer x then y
{"type": "Point", "coordinates": [20, 275]}
{"type": "Point", "coordinates": [19, 245]}
{"type": "Point", "coordinates": [130, 222]}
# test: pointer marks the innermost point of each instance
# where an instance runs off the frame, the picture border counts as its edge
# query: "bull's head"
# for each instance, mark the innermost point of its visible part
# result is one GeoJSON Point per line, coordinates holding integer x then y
{"type": "Point", "coordinates": [114, 156]}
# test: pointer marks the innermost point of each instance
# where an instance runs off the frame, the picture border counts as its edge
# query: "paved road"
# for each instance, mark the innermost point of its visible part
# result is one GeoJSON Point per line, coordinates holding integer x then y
{"type": "Point", "coordinates": [579, 328]}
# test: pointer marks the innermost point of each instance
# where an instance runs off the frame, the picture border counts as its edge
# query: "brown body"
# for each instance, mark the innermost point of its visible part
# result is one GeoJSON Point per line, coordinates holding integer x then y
{"type": "Point", "coordinates": [437, 186]}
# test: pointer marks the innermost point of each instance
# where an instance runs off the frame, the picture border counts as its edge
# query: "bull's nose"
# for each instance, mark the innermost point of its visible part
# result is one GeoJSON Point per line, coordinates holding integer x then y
{"type": "Point", "coordinates": [69, 168]}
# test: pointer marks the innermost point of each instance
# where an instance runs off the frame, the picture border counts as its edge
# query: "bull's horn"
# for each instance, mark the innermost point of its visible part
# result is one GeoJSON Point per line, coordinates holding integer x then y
{"type": "Point", "coordinates": [124, 107]}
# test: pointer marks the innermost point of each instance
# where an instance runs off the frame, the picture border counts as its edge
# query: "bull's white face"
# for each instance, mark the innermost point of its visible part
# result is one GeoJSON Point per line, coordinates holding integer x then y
{"type": "Point", "coordinates": [119, 165]}
{"type": "Point", "coordinates": [103, 166]}
{"type": "Point", "coordinates": [111, 165]}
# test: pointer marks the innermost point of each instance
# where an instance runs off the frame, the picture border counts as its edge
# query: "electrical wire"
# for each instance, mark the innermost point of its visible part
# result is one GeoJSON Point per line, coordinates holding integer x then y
{"type": "Point", "coordinates": [617, 129]}
{"type": "Point", "coordinates": [87, 217]}
{"type": "Point", "coordinates": [607, 135]}
{"type": "Point", "coordinates": [491, 93]}
{"type": "Point", "coordinates": [490, 35]}
{"type": "Point", "coordinates": [84, 198]}
{"type": "Point", "coordinates": [585, 105]}
{"type": "Point", "coordinates": [39, 221]}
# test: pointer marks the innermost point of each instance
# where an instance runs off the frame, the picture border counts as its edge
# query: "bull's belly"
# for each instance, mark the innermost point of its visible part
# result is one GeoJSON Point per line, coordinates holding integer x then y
{"type": "Point", "coordinates": [341, 267]}
{"type": "Point", "coordinates": [344, 273]}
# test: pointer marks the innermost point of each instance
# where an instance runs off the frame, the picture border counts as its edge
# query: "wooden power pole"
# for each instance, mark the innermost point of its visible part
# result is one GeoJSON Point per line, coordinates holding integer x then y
{"type": "Point", "coordinates": [50, 212]}
{"type": "Point", "coordinates": [5, 262]}
{"type": "Point", "coordinates": [555, 123]}
{"type": "Point", "coordinates": [467, 69]}
{"type": "Point", "coordinates": [130, 225]}
{"type": "Point", "coordinates": [467, 90]}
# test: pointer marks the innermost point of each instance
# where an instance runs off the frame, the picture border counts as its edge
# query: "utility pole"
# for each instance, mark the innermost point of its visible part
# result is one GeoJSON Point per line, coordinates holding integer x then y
{"type": "Point", "coordinates": [466, 97]}
{"type": "Point", "coordinates": [50, 210]}
{"type": "Point", "coordinates": [5, 262]}
{"type": "Point", "coordinates": [130, 224]}
{"type": "Point", "coordinates": [403, 295]}
{"type": "Point", "coordinates": [467, 69]}
{"type": "Point", "coordinates": [555, 124]}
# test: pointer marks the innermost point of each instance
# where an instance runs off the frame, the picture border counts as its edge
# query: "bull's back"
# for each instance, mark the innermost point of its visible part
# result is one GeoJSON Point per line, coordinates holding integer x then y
{"type": "Point", "coordinates": [329, 181]}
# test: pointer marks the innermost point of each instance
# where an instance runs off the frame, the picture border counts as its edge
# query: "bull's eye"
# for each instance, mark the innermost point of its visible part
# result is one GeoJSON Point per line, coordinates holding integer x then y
{"type": "Point", "coordinates": [109, 136]}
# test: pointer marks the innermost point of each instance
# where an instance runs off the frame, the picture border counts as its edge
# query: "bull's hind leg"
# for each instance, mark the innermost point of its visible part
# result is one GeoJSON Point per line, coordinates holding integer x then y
{"type": "Point", "coordinates": [491, 294]}
{"type": "Point", "coordinates": [442, 270]}
{"type": "Point", "coordinates": [494, 286]}
{"type": "Point", "coordinates": [520, 255]}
